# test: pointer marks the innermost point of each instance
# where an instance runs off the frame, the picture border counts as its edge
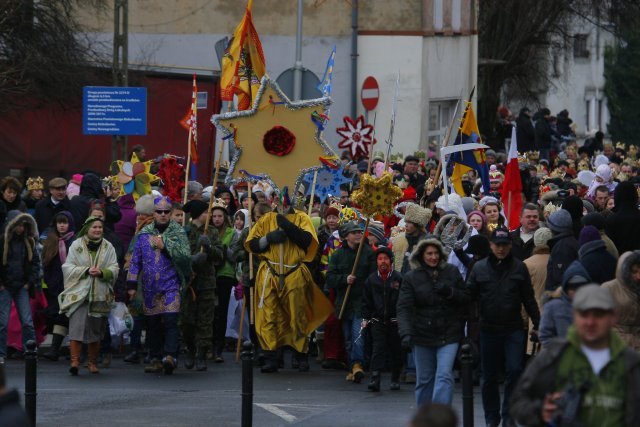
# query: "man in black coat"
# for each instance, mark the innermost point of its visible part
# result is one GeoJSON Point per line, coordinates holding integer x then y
{"type": "Point", "coordinates": [524, 131]}
{"type": "Point", "coordinates": [91, 190]}
{"type": "Point", "coordinates": [48, 207]}
{"type": "Point", "coordinates": [501, 284]}
{"type": "Point", "coordinates": [623, 226]}
{"type": "Point", "coordinates": [564, 247]}
{"type": "Point", "coordinates": [523, 237]}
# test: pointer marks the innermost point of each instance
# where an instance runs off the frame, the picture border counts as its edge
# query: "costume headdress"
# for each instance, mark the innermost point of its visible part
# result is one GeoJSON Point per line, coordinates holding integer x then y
{"type": "Point", "coordinates": [35, 184]}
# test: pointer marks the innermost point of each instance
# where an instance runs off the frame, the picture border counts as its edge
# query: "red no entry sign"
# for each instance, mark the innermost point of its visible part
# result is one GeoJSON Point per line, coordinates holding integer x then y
{"type": "Point", "coordinates": [370, 93]}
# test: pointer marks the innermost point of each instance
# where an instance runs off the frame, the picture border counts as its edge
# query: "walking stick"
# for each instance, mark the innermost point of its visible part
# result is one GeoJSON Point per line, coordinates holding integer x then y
{"type": "Point", "coordinates": [213, 187]}
{"type": "Point", "coordinates": [353, 271]}
{"type": "Point", "coordinates": [186, 176]}
{"type": "Point", "coordinates": [244, 306]}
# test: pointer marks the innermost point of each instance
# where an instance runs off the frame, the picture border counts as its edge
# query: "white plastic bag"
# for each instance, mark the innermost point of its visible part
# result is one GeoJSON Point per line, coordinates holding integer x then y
{"type": "Point", "coordinates": [120, 320]}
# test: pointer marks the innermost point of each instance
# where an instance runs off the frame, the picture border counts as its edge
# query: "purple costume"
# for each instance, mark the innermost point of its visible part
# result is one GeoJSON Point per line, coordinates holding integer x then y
{"type": "Point", "coordinates": [160, 279]}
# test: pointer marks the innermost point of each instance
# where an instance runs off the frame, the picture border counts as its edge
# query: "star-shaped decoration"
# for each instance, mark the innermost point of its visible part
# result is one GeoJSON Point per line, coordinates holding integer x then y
{"type": "Point", "coordinates": [357, 137]}
{"type": "Point", "coordinates": [277, 140]}
{"type": "Point", "coordinates": [376, 195]}
{"type": "Point", "coordinates": [328, 182]}
{"type": "Point", "coordinates": [134, 176]}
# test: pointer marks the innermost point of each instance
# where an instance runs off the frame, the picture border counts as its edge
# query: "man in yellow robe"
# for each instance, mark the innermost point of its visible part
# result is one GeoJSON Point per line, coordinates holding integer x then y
{"type": "Point", "coordinates": [288, 305]}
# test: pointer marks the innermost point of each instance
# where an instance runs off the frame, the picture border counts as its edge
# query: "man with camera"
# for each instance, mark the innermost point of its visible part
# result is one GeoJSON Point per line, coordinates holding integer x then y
{"type": "Point", "coordinates": [589, 379]}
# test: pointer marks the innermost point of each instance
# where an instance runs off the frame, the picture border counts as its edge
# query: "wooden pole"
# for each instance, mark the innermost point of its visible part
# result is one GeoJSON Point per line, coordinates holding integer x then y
{"type": "Point", "coordinates": [252, 306]}
{"type": "Point", "coordinates": [213, 187]}
{"type": "Point", "coordinates": [353, 270]}
{"type": "Point", "coordinates": [313, 191]}
{"type": "Point", "coordinates": [186, 175]}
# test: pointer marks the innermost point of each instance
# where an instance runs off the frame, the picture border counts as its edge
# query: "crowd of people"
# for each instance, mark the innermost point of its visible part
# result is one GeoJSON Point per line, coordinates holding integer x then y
{"type": "Point", "coordinates": [444, 269]}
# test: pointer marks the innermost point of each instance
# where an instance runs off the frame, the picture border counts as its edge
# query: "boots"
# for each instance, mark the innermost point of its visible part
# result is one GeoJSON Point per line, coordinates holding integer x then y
{"type": "Point", "coordinates": [303, 361]}
{"type": "Point", "coordinates": [93, 351]}
{"type": "Point", "coordinates": [374, 385]}
{"type": "Point", "coordinates": [54, 353]}
{"type": "Point", "coordinates": [168, 364]}
{"type": "Point", "coordinates": [201, 360]}
{"type": "Point", "coordinates": [190, 361]}
{"type": "Point", "coordinates": [270, 362]}
{"type": "Point", "coordinates": [75, 348]}
{"type": "Point", "coordinates": [358, 372]}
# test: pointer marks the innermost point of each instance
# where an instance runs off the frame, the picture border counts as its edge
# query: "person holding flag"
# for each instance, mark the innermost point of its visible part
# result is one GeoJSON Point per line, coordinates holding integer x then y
{"type": "Point", "coordinates": [461, 162]}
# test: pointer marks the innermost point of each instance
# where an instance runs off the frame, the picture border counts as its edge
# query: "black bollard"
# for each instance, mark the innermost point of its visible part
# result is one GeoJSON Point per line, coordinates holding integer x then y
{"type": "Point", "coordinates": [30, 380]}
{"type": "Point", "coordinates": [466, 372]}
{"type": "Point", "coordinates": [247, 384]}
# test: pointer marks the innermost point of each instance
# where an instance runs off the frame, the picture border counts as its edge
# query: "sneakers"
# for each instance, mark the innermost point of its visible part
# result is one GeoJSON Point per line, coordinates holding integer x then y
{"type": "Point", "coordinates": [154, 367]}
{"type": "Point", "coordinates": [358, 373]}
{"type": "Point", "coordinates": [168, 365]}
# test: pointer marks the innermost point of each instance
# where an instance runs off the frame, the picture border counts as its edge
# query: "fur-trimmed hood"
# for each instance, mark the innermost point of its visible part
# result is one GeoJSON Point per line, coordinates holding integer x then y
{"type": "Point", "coordinates": [31, 235]}
{"type": "Point", "coordinates": [416, 256]}
{"type": "Point", "coordinates": [623, 273]}
{"type": "Point", "coordinates": [444, 220]}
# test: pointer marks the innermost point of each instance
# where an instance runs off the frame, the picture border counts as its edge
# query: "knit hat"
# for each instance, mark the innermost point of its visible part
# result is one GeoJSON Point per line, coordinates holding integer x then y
{"type": "Point", "coordinates": [468, 204]}
{"type": "Point", "coordinates": [348, 227]}
{"type": "Point", "coordinates": [541, 237]}
{"type": "Point", "coordinates": [589, 234]}
{"type": "Point", "coordinates": [478, 245]}
{"type": "Point", "coordinates": [594, 218]}
{"type": "Point", "coordinates": [378, 233]}
{"type": "Point", "coordinates": [332, 210]}
{"type": "Point", "coordinates": [478, 213]}
{"type": "Point", "coordinates": [384, 250]}
{"type": "Point", "coordinates": [144, 205]}
{"type": "Point", "coordinates": [195, 208]}
{"type": "Point", "coordinates": [417, 214]}
{"type": "Point", "coordinates": [588, 206]}
{"type": "Point", "coordinates": [560, 221]}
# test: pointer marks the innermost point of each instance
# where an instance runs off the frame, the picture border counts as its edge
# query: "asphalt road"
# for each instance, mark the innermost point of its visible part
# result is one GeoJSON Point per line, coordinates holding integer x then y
{"type": "Point", "coordinates": [123, 395]}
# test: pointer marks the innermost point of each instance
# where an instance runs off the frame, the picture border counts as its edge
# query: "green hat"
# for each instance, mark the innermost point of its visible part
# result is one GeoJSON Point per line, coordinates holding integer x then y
{"type": "Point", "coordinates": [87, 225]}
{"type": "Point", "coordinates": [348, 227]}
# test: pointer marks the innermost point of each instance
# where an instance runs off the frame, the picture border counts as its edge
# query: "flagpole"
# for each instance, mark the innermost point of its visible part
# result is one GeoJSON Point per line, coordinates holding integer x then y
{"type": "Point", "coordinates": [213, 187]}
{"type": "Point", "coordinates": [186, 175]}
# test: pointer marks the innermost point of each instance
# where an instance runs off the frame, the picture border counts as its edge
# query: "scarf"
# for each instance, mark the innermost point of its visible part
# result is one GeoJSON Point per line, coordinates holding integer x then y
{"type": "Point", "coordinates": [177, 245]}
{"type": "Point", "coordinates": [93, 245]}
{"type": "Point", "coordinates": [62, 246]}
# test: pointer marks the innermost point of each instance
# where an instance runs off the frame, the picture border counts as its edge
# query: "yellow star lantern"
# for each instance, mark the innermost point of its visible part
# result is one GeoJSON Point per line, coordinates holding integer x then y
{"type": "Point", "coordinates": [277, 140]}
{"type": "Point", "coordinates": [134, 176]}
{"type": "Point", "coordinates": [376, 195]}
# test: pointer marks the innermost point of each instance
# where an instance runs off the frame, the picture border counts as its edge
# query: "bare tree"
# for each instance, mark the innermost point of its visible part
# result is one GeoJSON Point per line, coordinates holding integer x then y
{"type": "Point", "coordinates": [515, 37]}
{"type": "Point", "coordinates": [44, 56]}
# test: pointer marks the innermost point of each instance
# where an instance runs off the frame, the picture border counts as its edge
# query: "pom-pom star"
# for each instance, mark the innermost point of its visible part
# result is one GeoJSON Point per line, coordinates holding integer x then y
{"type": "Point", "coordinates": [376, 195]}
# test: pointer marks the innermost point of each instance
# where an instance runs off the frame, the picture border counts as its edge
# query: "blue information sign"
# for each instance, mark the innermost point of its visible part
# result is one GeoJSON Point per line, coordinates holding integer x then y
{"type": "Point", "coordinates": [110, 110]}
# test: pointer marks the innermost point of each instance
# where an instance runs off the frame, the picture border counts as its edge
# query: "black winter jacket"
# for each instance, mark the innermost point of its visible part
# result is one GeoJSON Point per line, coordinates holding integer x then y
{"type": "Point", "coordinates": [525, 133]}
{"type": "Point", "coordinates": [564, 250]}
{"type": "Point", "coordinates": [598, 261]}
{"type": "Point", "coordinates": [46, 210]}
{"type": "Point", "coordinates": [428, 318]}
{"type": "Point", "coordinates": [19, 260]}
{"type": "Point", "coordinates": [91, 190]}
{"type": "Point", "coordinates": [380, 297]}
{"type": "Point", "coordinates": [501, 289]}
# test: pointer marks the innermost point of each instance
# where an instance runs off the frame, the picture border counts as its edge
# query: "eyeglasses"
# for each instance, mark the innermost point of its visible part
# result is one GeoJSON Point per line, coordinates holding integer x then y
{"type": "Point", "coordinates": [163, 211]}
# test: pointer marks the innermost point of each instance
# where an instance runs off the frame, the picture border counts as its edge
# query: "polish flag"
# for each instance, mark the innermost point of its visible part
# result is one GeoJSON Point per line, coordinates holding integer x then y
{"type": "Point", "coordinates": [512, 185]}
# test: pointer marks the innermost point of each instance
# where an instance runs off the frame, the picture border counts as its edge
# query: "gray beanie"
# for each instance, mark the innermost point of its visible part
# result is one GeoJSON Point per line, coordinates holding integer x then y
{"type": "Point", "coordinates": [541, 237]}
{"type": "Point", "coordinates": [468, 204]}
{"type": "Point", "coordinates": [560, 221]}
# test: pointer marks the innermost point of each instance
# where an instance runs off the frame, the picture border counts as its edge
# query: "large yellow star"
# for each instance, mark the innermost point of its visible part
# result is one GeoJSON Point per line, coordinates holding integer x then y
{"type": "Point", "coordinates": [376, 195]}
{"type": "Point", "coordinates": [269, 128]}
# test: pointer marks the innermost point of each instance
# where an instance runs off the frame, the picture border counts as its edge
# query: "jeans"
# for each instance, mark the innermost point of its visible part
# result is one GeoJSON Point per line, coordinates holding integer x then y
{"type": "Point", "coordinates": [434, 373]}
{"type": "Point", "coordinates": [21, 299]}
{"type": "Point", "coordinates": [353, 340]}
{"type": "Point", "coordinates": [495, 347]}
{"type": "Point", "coordinates": [155, 326]}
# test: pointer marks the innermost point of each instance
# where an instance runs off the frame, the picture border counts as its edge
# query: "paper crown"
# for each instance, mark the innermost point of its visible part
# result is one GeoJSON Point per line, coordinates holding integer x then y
{"type": "Point", "coordinates": [35, 184]}
{"type": "Point", "coordinates": [219, 204]}
{"type": "Point", "coordinates": [583, 165]}
{"type": "Point", "coordinates": [495, 174]}
{"type": "Point", "coordinates": [621, 145]}
{"type": "Point", "coordinates": [533, 155]}
{"type": "Point", "coordinates": [162, 202]}
{"type": "Point", "coordinates": [542, 171]}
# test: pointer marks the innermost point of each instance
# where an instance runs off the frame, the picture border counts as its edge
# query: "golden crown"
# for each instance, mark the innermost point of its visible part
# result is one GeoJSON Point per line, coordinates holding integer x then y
{"type": "Point", "coordinates": [557, 173]}
{"type": "Point", "coordinates": [621, 145]}
{"type": "Point", "coordinates": [35, 184]}
{"type": "Point", "coordinates": [533, 155]}
{"type": "Point", "coordinates": [542, 171]}
{"type": "Point", "coordinates": [218, 203]}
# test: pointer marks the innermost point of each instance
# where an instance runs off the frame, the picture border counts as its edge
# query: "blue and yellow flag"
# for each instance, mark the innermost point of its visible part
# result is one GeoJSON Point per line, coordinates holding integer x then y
{"type": "Point", "coordinates": [463, 161]}
{"type": "Point", "coordinates": [325, 85]}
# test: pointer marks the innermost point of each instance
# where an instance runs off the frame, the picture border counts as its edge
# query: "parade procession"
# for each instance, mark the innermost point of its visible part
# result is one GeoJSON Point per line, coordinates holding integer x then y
{"type": "Point", "coordinates": [194, 234]}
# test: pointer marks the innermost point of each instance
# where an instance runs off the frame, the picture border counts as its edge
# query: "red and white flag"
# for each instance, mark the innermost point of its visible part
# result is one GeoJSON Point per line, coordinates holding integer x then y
{"type": "Point", "coordinates": [190, 122]}
{"type": "Point", "coordinates": [512, 185]}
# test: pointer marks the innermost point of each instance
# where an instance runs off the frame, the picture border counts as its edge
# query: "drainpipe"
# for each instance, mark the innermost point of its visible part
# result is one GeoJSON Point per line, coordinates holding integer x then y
{"type": "Point", "coordinates": [354, 57]}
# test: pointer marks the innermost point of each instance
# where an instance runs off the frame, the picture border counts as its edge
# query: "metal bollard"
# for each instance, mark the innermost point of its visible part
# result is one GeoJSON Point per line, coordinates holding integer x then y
{"type": "Point", "coordinates": [30, 380]}
{"type": "Point", "coordinates": [247, 384]}
{"type": "Point", "coordinates": [466, 372]}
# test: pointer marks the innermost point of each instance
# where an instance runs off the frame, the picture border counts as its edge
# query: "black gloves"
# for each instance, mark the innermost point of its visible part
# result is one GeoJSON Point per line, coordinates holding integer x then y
{"type": "Point", "coordinates": [204, 241]}
{"type": "Point", "coordinates": [283, 222]}
{"type": "Point", "coordinates": [443, 290]}
{"type": "Point", "coordinates": [406, 342]}
{"type": "Point", "coordinates": [198, 259]}
{"type": "Point", "coordinates": [298, 236]}
{"type": "Point", "coordinates": [277, 236]}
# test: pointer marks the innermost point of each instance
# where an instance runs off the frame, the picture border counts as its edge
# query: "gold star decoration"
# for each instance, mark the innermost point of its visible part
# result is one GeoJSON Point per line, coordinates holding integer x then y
{"type": "Point", "coordinates": [376, 195]}
{"type": "Point", "coordinates": [277, 140]}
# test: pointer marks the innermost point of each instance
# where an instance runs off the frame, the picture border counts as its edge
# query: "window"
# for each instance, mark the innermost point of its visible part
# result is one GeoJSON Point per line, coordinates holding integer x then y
{"type": "Point", "coordinates": [580, 48]}
{"type": "Point", "coordinates": [440, 115]}
{"type": "Point", "coordinates": [201, 100]}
